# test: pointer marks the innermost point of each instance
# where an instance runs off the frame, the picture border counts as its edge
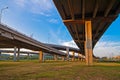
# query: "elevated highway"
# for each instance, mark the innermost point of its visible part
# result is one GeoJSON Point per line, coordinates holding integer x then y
{"type": "Point", "coordinates": [61, 47]}
{"type": "Point", "coordinates": [87, 20]}
{"type": "Point", "coordinates": [10, 38]}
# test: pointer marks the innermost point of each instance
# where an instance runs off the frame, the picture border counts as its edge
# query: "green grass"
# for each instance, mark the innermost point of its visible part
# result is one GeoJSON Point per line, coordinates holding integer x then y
{"type": "Point", "coordinates": [50, 70]}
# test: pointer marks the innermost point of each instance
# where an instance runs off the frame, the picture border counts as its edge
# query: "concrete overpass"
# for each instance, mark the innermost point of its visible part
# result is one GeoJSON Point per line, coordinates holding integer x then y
{"type": "Point", "coordinates": [68, 49]}
{"type": "Point", "coordinates": [87, 20]}
{"type": "Point", "coordinates": [10, 38]}
{"type": "Point", "coordinates": [61, 47]}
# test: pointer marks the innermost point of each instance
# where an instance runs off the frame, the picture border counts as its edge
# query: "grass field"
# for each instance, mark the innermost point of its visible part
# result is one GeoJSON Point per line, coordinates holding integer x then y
{"type": "Point", "coordinates": [32, 70]}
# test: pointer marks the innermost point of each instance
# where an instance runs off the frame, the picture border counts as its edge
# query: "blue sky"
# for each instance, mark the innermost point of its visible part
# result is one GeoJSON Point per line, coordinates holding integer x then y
{"type": "Point", "coordinates": [40, 19]}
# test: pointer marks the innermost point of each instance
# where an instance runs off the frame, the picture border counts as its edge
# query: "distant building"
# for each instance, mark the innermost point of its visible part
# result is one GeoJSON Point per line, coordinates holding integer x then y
{"type": "Point", "coordinates": [116, 57]}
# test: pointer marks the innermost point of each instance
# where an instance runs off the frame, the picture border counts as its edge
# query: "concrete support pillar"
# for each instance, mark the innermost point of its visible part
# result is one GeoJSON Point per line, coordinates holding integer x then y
{"type": "Point", "coordinates": [55, 57]}
{"type": "Point", "coordinates": [43, 57]}
{"type": "Point", "coordinates": [81, 57]}
{"type": "Point", "coordinates": [73, 56]}
{"type": "Point", "coordinates": [63, 58]}
{"type": "Point", "coordinates": [28, 55]}
{"type": "Point", "coordinates": [67, 51]}
{"type": "Point", "coordinates": [40, 56]}
{"type": "Point", "coordinates": [0, 56]}
{"type": "Point", "coordinates": [15, 50]}
{"type": "Point", "coordinates": [88, 43]}
{"type": "Point", "coordinates": [18, 56]}
{"type": "Point", "coordinates": [78, 56]}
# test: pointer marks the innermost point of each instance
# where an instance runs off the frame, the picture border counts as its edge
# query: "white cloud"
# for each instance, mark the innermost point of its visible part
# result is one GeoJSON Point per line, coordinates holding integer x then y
{"type": "Point", "coordinates": [42, 4]}
{"type": "Point", "coordinates": [102, 49]}
{"type": "Point", "coordinates": [20, 3]}
{"type": "Point", "coordinates": [42, 7]}
{"type": "Point", "coordinates": [41, 13]}
{"type": "Point", "coordinates": [107, 48]}
{"type": "Point", "coordinates": [70, 44]}
{"type": "Point", "coordinates": [53, 21]}
{"type": "Point", "coordinates": [37, 20]}
{"type": "Point", "coordinates": [55, 35]}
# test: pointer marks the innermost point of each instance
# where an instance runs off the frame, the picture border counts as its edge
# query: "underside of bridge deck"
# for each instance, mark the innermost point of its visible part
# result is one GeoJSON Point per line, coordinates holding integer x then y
{"type": "Point", "coordinates": [87, 20]}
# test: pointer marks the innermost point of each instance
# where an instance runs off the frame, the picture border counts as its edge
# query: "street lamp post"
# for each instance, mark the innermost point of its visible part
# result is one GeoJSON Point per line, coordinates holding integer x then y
{"type": "Point", "coordinates": [1, 13]}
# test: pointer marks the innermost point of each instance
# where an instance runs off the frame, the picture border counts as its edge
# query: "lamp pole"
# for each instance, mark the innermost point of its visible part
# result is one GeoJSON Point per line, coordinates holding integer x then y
{"type": "Point", "coordinates": [1, 13]}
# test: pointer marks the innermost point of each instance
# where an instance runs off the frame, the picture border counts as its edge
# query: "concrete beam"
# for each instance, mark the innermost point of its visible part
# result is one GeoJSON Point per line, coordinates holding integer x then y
{"type": "Point", "coordinates": [88, 43]}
